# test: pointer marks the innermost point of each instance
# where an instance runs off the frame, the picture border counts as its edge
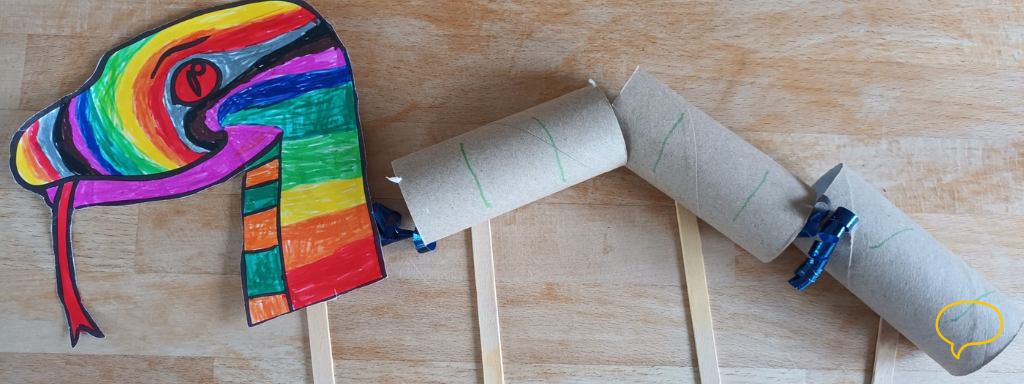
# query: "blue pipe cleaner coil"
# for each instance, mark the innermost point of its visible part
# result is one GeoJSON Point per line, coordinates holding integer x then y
{"type": "Point", "coordinates": [842, 221]}
{"type": "Point", "coordinates": [387, 222]}
{"type": "Point", "coordinates": [839, 223]}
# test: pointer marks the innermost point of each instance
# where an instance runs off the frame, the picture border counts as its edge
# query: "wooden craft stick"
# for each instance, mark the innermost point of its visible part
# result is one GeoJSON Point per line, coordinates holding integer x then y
{"type": "Point", "coordinates": [487, 303]}
{"type": "Point", "coordinates": [885, 353]}
{"type": "Point", "coordinates": [320, 343]}
{"type": "Point", "coordinates": [697, 290]}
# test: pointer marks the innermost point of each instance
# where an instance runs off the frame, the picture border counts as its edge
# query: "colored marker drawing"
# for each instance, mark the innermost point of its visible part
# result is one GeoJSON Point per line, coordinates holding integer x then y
{"type": "Point", "coordinates": [262, 88]}
{"type": "Point", "coordinates": [890, 237]}
{"type": "Point", "coordinates": [558, 158]}
{"type": "Point", "coordinates": [479, 188]}
{"type": "Point", "coordinates": [970, 307]}
{"type": "Point", "coordinates": [752, 193]}
{"type": "Point", "coordinates": [661, 152]}
{"type": "Point", "coordinates": [952, 346]}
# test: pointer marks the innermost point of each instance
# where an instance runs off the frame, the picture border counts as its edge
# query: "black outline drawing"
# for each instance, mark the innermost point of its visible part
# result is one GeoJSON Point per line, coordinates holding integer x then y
{"type": "Point", "coordinates": [198, 134]}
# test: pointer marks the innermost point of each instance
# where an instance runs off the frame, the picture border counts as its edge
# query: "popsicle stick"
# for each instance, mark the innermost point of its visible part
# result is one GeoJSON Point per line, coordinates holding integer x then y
{"type": "Point", "coordinates": [487, 303]}
{"type": "Point", "coordinates": [320, 343]}
{"type": "Point", "coordinates": [885, 353]}
{"type": "Point", "coordinates": [697, 290]}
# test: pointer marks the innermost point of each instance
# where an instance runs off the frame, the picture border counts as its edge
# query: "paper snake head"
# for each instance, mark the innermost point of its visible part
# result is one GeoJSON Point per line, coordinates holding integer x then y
{"type": "Point", "coordinates": [263, 87]}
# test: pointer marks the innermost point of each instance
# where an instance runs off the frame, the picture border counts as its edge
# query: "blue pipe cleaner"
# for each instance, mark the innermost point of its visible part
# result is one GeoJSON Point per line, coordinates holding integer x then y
{"type": "Point", "coordinates": [828, 234]}
{"type": "Point", "coordinates": [387, 222]}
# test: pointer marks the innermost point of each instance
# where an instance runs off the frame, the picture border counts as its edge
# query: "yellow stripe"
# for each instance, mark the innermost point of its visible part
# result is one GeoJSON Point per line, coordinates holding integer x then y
{"type": "Point", "coordinates": [27, 171]}
{"type": "Point", "coordinates": [312, 200]}
{"type": "Point", "coordinates": [213, 22]}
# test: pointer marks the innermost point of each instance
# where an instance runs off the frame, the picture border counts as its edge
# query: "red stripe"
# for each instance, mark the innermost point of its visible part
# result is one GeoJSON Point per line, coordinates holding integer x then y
{"type": "Point", "coordinates": [78, 320]}
{"type": "Point", "coordinates": [233, 39]}
{"type": "Point", "coordinates": [351, 266]}
{"type": "Point", "coordinates": [37, 152]}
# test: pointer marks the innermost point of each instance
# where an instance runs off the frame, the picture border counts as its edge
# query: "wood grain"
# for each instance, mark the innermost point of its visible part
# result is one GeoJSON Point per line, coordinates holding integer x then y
{"type": "Point", "coordinates": [487, 304]}
{"type": "Point", "coordinates": [922, 98]}
{"type": "Point", "coordinates": [697, 291]}
{"type": "Point", "coordinates": [885, 353]}
{"type": "Point", "coordinates": [321, 358]}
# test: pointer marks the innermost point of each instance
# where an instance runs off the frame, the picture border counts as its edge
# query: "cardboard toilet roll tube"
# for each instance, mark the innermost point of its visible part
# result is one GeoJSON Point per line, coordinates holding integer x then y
{"type": "Point", "coordinates": [714, 173]}
{"type": "Point", "coordinates": [511, 162]}
{"type": "Point", "coordinates": [908, 277]}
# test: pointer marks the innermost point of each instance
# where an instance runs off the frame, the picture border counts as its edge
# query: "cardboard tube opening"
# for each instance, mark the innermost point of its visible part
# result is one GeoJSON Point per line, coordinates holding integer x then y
{"type": "Point", "coordinates": [908, 277]}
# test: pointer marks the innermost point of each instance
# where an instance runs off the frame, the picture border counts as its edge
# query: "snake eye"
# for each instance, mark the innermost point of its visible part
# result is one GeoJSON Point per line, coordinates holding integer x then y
{"type": "Point", "coordinates": [194, 80]}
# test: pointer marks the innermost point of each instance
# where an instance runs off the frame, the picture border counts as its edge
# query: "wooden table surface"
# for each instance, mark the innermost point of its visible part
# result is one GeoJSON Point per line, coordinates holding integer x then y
{"type": "Point", "coordinates": [924, 99]}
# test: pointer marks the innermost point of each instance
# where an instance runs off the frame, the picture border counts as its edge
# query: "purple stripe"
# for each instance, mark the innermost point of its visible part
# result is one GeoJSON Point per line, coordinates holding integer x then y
{"type": "Point", "coordinates": [51, 193]}
{"type": "Point", "coordinates": [244, 143]}
{"type": "Point", "coordinates": [78, 140]}
{"type": "Point", "coordinates": [331, 58]}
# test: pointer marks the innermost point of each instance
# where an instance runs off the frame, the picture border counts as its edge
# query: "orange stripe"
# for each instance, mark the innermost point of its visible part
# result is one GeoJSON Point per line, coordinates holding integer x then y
{"type": "Point", "coordinates": [313, 239]}
{"type": "Point", "coordinates": [264, 173]}
{"type": "Point", "coordinates": [260, 230]}
{"type": "Point", "coordinates": [267, 307]}
{"type": "Point", "coordinates": [27, 166]}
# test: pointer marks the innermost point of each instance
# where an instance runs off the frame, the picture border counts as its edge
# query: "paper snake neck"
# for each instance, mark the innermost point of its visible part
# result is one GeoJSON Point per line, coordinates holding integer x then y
{"type": "Point", "coordinates": [78, 318]}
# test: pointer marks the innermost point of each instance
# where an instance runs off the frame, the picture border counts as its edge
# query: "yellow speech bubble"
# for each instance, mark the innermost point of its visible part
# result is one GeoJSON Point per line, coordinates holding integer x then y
{"type": "Point", "coordinates": [952, 347]}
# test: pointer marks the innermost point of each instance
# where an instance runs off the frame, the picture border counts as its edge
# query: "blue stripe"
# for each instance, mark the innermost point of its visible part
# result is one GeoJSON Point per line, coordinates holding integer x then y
{"type": "Point", "coordinates": [82, 115]}
{"type": "Point", "coordinates": [282, 88]}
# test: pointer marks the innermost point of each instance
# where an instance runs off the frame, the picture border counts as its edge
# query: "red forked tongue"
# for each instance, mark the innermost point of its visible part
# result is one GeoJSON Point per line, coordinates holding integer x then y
{"type": "Point", "coordinates": [67, 289]}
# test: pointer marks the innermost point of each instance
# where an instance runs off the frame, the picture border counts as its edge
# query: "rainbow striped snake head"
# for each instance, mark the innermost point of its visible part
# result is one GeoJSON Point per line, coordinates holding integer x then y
{"type": "Point", "coordinates": [260, 87]}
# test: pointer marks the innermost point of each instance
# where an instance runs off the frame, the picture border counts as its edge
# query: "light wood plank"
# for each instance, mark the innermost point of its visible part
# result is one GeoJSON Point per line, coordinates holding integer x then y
{"type": "Point", "coordinates": [49, 368]}
{"type": "Point", "coordinates": [46, 81]}
{"type": "Point", "coordinates": [487, 304]}
{"type": "Point", "coordinates": [12, 60]}
{"type": "Point", "coordinates": [885, 353]}
{"type": "Point", "coordinates": [142, 314]}
{"type": "Point", "coordinates": [918, 174]}
{"type": "Point", "coordinates": [921, 97]}
{"type": "Point", "coordinates": [104, 238]}
{"type": "Point", "coordinates": [194, 235]}
{"type": "Point", "coordinates": [287, 371]}
{"type": "Point", "coordinates": [233, 370]}
{"type": "Point", "coordinates": [612, 244]}
{"type": "Point", "coordinates": [320, 343]}
{"type": "Point", "coordinates": [697, 291]}
{"type": "Point", "coordinates": [411, 320]}
{"type": "Point", "coordinates": [595, 324]}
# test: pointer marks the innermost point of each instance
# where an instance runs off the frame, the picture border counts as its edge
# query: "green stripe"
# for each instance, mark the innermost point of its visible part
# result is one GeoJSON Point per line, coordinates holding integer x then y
{"type": "Point", "coordinates": [258, 198]}
{"type": "Point", "coordinates": [763, 178]}
{"type": "Point", "coordinates": [462, 147]}
{"type": "Point", "coordinates": [318, 159]}
{"type": "Point", "coordinates": [665, 141]}
{"type": "Point", "coordinates": [108, 149]}
{"type": "Point", "coordinates": [879, 245]}
{"type": "Point", "coordinates": [266, 157]}
{"type": "Point", "coordinates": [263, 272]}
{"type": "Point", "coordinates": [319, 112]}
{"type": "Point", "coordinates": [970, 307]}
{"type": "Point", "coordinates": [106, 122]}
{"type": "Point", "coordinates": [558, 158]}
